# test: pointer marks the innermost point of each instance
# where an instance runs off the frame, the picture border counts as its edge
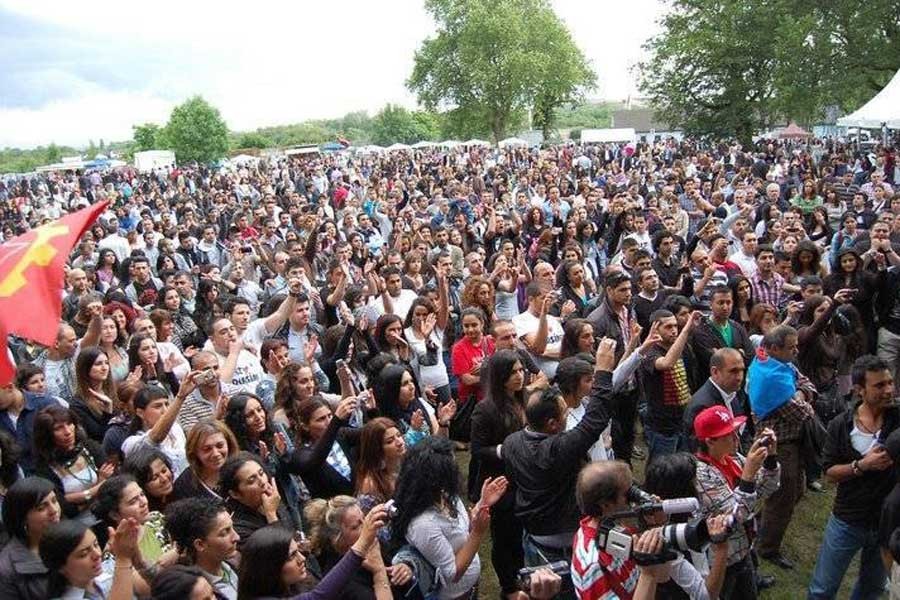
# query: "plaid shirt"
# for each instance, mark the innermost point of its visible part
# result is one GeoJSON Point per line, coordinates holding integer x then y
{"type": "Point", "coordinates": [767, 291]}
{"type": "Point", "coordinates": [787, 420]}
{"type": "Point", "coordinates": [718, 498]}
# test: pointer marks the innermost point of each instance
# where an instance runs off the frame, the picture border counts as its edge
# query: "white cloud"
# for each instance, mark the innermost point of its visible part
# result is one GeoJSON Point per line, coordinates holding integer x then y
{"type": "Point", "coordinates": [263, 63]}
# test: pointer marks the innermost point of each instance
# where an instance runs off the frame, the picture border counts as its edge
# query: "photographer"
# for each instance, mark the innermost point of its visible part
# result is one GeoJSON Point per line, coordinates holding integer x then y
{"type": "Point", "coordinates": [602, 490]}
{"type": "Point", "coordinates": [729, 484]}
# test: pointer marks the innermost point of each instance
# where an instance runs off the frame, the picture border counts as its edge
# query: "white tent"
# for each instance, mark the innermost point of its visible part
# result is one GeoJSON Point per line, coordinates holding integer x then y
{"type": "Point", "coordinates": [883, 109]}
{"type": "Point", "coordinates": [450, 144]}
{"type": "Point", "coordinates": [424, 144]}
{"type": "Point", "coordinates": [600, 136]}
{"type": "Point", "coordinates": [372, 149]}
{"type": "Point", "coordinates": [476, 142]}
{"type": "Point", "coordinates": [513, 141]}
{"type": "Point", "coordinates": [398, 146]}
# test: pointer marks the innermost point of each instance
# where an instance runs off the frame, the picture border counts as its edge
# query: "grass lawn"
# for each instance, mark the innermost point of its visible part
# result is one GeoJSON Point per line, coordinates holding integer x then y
{"type": "Point", "coordinates": [801, 545]}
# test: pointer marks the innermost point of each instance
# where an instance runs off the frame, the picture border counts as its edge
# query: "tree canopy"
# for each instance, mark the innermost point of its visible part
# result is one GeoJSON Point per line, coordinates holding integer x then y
{"type": "Point", "coordinates": [492, 60]}
{"type": "Point", "coordinates": [396, 124]}
{"type": "Point", "coordinates": [732, 68]}
{"type": "Point", "coordinates": [196, 132]}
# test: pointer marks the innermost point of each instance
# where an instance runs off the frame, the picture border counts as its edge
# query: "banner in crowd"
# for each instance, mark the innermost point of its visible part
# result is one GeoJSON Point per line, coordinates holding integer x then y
{"type": "Point", "coordinates": [31, 280]}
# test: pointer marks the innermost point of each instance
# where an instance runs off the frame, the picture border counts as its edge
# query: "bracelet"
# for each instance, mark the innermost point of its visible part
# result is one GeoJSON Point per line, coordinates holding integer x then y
{"type": "Point", "coordinates": [856, 468]}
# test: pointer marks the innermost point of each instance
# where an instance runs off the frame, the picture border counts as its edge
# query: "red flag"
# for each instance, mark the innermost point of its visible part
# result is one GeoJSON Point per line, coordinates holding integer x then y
{"type": "Point", "coordinates": [31, 280]}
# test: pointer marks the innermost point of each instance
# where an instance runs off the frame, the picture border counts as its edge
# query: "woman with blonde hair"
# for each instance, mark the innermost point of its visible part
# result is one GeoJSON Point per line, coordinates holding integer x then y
{"type": "Point", "coordinates": [209, 444]}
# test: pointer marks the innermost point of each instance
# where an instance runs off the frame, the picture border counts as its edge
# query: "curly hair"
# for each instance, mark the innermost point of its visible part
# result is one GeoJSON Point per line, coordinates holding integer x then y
{"type": "Point", "coordinates": [236, 421]}
{"type": "Point", "coordinates": [324, 518]}
{"type": "Point", "coordinates": [191, 519]}
{"type": "Point", "coordinates": [285, 395]}
{"type": "Point", "coordinates": [414, 493]}
{"type": "Point", "coordinates": [469, 297]}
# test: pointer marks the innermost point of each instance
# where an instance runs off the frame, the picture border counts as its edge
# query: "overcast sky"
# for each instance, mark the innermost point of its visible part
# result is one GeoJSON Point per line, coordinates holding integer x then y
{"type": "Point", "coordinates": [80, 71]}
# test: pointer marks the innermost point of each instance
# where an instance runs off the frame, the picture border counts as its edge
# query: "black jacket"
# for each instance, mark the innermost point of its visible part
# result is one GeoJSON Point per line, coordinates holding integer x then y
{"type": "Point", "coordinates": [23, 575]}
{"type": "Point", "coordinates": [309, 462]}
{"type": "Point", "coordinates": [247, 521]}
{"type": "Point", "coordinates": [606, 324]}
{"type": "Point", "coordinates": [46, 471]}
{"type": "Point", "coordinates": [707, 339]}
{"type": "Point", "coordinates": [858, 500]}
{"type": "Point", "coordinates": [544, 468]}
{"type": "Point", "coordinates": [709, 395]}
{"type": "Point", "coordinates": [489, 430]}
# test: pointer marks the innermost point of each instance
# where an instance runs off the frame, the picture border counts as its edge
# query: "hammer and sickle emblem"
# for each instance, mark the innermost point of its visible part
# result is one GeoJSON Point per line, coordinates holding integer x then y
{"type": "Point", "coordinates": [39, 252]}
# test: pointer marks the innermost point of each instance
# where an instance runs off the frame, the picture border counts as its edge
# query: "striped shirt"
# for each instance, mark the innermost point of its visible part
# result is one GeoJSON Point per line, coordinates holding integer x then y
{"type": "Point", "coordinates": [767, 291]}
{"type": "Point", "coordinates": [593, 582]}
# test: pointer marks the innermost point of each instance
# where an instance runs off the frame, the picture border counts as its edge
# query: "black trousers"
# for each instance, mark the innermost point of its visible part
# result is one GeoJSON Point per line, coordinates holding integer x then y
{"type": "Point", "coordinates": [740, 581]}
{"type": "Point", "coordinates": [624, 412]}
{"type": "Point", "coordinates": [507, 555]}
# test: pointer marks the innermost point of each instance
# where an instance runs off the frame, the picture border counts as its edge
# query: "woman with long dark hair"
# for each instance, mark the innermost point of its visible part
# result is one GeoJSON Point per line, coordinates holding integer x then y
{"type": "Point", "coordinates": [72, 556]}
{"type": "Point", "coordinates": [185, 330]}
{"type": "Point", "coordinates": [570, 280]}
{"type": "Point", "coordinates": [143, 352]}
{"type": "Point", "coordinates": [424, 332]}
{"type": "Point", "coordinates": [251, 495]}
{"type": "Point", "coordinates": [431, 515]}
{"type": "Point", "coordinates": [209, 444]}
{"type": "Point", "coordinates": [70, 460]}
{"type": "Point", "coordinates": [578, 337]}
{"type": "Point", "coordinates": [389, 338]}
{"type": "Point", "coordinates": [849, 274]}
{"type": "Point", "coordinates": [120, 498]}
{"type": "Point", "coordinates": [272, 564]}
{"type": "Point", "coordinates": [95, 394]}
{"type": "Point", "coordinates": [396, 395]}
{"type": "Point", "coordinates": [501, 413]}
{"type": "Point", "coordinates": [381, 450]}
{"type": "Point", "coordinates": [742, 292]}
{"type": "Point", "coordinates": [30, 506]}
{"type": "Point", "coordinates": [112, 342]}
{"type": "Point", "coordinates": [326, 455]}
{"type": "Point", "coordinates": [153, 471]}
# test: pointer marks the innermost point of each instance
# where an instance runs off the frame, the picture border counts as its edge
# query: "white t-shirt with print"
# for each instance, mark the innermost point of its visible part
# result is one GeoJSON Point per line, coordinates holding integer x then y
{"type": "Point", "coordinates": [527, 324]}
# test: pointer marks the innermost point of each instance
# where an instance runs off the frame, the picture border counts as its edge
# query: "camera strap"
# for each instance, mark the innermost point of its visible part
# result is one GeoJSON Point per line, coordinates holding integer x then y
{"type": "Point", "coordinates": [614, 582]}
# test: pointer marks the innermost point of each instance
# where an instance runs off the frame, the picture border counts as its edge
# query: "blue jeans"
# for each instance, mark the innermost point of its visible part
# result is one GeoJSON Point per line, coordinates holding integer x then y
{"type": "Point", "coordinates": [660, 444]}
{"type": "Point", "coordinates": [840, 544]}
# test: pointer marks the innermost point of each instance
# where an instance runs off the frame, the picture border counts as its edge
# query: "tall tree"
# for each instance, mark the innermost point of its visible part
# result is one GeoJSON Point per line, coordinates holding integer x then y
{"type": "Point", "coordinates": [732, 68]}
{"type": "Point", "coordinates": [491, 59]}
{"type": "Point", "coordinates": [396, 124]}
{"type": "Point", "coordinates": [148, 136]}
{"type": "Point", "coordinates": [197, 132]}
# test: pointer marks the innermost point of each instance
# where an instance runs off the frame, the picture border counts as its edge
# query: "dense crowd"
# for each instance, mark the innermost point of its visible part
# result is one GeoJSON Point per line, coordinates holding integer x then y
{"type": "Point", "coordinates": [267, 375]}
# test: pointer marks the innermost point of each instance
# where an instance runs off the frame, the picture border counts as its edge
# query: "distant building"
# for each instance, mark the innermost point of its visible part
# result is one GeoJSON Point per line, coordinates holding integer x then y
{"type": "Point", "coordinates": [644, 123]}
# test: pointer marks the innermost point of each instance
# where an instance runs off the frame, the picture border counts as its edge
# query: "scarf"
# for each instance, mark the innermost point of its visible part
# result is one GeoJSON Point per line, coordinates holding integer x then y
{"type": "Point", "coordinates": [727, 466]}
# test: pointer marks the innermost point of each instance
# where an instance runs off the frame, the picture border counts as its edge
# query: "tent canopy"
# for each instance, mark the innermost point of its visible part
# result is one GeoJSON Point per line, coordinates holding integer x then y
{"type": "Point", "coordinates": [398, 146]}
{"type": "Point", "coordinates": [512, 141]}
{"type": "Point", "coordinates": [883, 109]}
{"type": "Point", "coordinates": [601, 136]}
{"type": "Point", "coordinates": [449, 144]}
{"type": "Point", "coordinates": [793, 132]}
{"type": "Point", "coordinates": [476, 142]}
{"type": "Point", "coordinates": [424, 144]}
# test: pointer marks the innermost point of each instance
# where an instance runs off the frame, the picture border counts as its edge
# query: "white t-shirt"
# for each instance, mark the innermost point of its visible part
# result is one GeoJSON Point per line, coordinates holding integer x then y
{"type": "Point", "coordinates": [256, 333]}
{"type": "Point", "coordinates": [248, 372]}
{"type": "Point", "coordinates": [400, 303]}
{"type": "Point", "coordinates": [526, 324]}
{"type": "Point", "coordinates": [434, 375]}
{"type": "Point", "coordinates": [173, 446]}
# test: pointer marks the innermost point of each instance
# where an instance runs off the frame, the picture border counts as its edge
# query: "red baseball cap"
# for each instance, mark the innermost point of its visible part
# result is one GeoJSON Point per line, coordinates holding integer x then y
{"type": "Point", "coordinates": [716, 421]}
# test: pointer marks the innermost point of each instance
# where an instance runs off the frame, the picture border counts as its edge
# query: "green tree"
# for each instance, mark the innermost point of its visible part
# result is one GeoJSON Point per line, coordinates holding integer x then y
{"type": "Point", "coordinates": [733, 68]}
{"type": "Point", "coordinates": [396, 124]}
{"type": "Point", "coordinates": [196, 132]}
{"type": "Point", "coordinates": [253, 140]}
{"type": "Point", "coordinates": [91, 152]}
{"type": "Point", "coordinates": [148, 136]}
{"type": "Point", "coordinates": [491, 60]}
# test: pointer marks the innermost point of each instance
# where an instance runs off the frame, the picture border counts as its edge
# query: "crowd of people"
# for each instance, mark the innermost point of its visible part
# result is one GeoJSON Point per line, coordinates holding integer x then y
{"type": "Point", "coordinates": [267, 377]}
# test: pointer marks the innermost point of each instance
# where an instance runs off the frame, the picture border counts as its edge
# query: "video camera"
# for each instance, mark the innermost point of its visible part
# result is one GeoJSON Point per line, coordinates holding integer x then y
{"type": "Point", "coordinates": [692, 535]}
{"type": "Point", "coordinates": [560, 567]}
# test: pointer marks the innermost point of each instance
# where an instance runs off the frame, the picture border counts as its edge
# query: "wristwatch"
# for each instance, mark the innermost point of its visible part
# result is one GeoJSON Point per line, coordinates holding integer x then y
{"type": "Point", "coordinates": [856, 469]}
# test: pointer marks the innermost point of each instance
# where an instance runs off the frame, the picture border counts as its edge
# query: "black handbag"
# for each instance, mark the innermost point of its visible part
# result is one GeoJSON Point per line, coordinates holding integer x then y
{"type": "Point", "coordinates": [460, 429]}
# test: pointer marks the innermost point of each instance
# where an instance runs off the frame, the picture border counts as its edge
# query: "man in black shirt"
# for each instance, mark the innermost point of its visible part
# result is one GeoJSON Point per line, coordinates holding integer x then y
{"type": "Point", "coordinates": [856, 457]}
{"type": "Point", "coordinates": [667, 381]}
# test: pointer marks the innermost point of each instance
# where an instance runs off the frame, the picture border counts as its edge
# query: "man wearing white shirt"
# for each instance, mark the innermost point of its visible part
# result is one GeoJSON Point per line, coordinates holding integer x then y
{"type": "Point", "coordinates": [745, 256]}
{"type": "Point", "coordinates": [254, 332]}
{"type": "Point", "coordinates": [541, 333]}
{"type": "Point", "coordinates": [237, 365]}
{"type": "Point", "coordinates": [399, 299]}
{"type": "Point", "coordinates": [114, 241]}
